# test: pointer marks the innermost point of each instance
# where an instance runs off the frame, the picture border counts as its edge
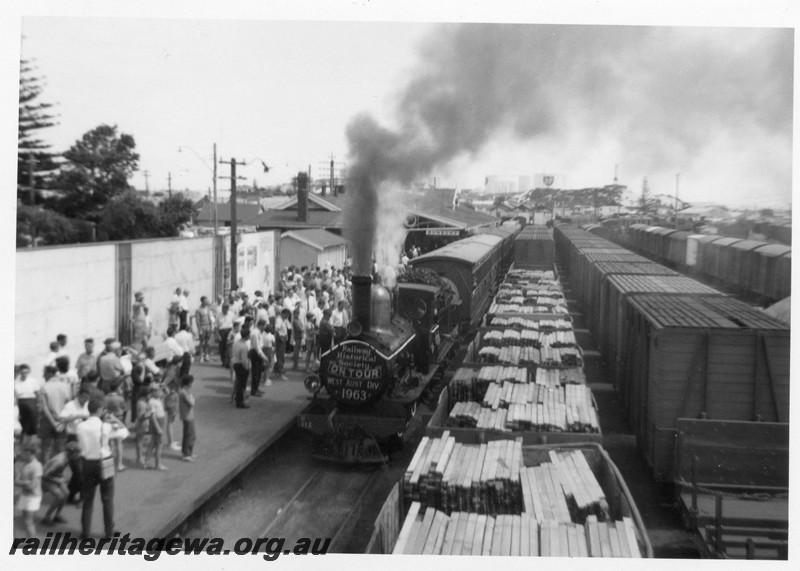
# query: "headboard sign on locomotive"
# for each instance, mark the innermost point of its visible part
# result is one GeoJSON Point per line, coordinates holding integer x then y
{"type": "Point", "coordinates": [353, 372]}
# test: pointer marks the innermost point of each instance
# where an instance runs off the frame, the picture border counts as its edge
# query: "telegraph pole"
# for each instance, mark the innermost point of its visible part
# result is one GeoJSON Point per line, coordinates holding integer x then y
{"type": "Point", "coordinates": [677, 180]}
{"type": "Point", "coordinates": [169, 184]}
{"type": "Point", "coordinates": [215, 195]}
{"type": "Point", "coordinates": [234, 240]}
{"type": "Point", "coordinates": [333, 188]}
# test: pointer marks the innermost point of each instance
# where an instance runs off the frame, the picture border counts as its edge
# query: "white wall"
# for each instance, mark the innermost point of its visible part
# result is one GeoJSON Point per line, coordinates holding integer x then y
{"type": "Point", "coordinates": [336, 256]}
{"type": "Point", "coordinates": [68, 290]}
{"type": "Point", "coordinates": [160, 266]}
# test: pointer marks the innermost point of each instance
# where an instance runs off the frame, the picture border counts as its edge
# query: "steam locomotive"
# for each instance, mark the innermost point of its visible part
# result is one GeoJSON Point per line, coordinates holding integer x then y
{"type": "Point", "coordinates": [368, 385]}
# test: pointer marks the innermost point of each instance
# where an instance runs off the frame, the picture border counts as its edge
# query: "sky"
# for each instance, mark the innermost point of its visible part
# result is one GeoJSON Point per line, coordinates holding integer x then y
{"type": "Point", "coordinates": [711, 103]}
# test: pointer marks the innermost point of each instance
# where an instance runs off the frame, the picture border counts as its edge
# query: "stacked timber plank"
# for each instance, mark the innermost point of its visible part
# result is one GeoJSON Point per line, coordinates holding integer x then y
{"type": "Point", "coordinates": [535, 324]}
{"type": "Point", "coordinates": [491, 478]}
{"type": "Point", "coordinates": [514, 406]}
{"type": "Point", "coordinates": [546, 356]}
{"type": "Point", "coordinates": [432, 532]}
{"type": "Point", "coordinates": [451, 476]}
{"type": "Point", "coordinates": [489, 503]}
{"type": "Point", "coordinates": [471, 383]}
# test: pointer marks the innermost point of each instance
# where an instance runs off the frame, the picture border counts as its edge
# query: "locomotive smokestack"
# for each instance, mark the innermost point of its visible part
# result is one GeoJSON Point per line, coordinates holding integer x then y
{"type": "Point", "coordinates": [362, 301]}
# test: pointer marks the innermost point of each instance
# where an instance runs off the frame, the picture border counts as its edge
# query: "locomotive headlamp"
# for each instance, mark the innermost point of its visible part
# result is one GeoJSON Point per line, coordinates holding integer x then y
{"type": "Point", "coordinates": [312, 383]}
{"type": "Point", "coordinates": [354, 328]}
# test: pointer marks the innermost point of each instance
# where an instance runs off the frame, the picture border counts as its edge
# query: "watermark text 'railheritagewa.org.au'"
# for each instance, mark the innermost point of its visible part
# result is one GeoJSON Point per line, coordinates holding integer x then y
{"type": "Point", "coordinates": [270, 548]}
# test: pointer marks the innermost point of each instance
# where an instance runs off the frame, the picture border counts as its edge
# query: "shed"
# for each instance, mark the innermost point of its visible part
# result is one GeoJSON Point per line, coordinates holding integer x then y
{"type": "Point", "coordinates": [313, 246]}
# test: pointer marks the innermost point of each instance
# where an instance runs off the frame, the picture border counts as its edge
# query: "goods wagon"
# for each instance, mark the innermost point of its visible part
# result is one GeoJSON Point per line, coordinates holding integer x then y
{"type": "Point", "coordinates": [677, 243]}
{"type": "Point", "coordinates": [596, 282]}
{"type": "Point", "coordinates": [741, 265]}
{"type": "Point", "coordinates": [736, 264]}
{"type": "Point", "coordinates": [694, 248]}
{"type": "Point", "coordinates": [534, 248]}
{"type": "Point", "coordinates": [700, 356]}
{"type": "Point", "coordinates": [615, 290]}
{"type": "Point", "coordinates": [503, 498]}
{"type": "Point", "coordinates": [772, 275]}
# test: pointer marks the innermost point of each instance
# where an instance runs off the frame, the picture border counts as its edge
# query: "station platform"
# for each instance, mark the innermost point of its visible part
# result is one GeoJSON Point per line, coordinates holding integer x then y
{"type": "Point", "coordinates": [150, 503]}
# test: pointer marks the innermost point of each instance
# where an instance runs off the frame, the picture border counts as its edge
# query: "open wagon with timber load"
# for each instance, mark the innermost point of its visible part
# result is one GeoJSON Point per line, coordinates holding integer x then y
{"type": "Point", "coordinates": [503, 498]}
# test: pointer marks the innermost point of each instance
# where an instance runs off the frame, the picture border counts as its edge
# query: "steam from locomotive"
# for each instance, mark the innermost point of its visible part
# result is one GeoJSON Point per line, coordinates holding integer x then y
{"type": "Point", "coordinates": [564, 85]}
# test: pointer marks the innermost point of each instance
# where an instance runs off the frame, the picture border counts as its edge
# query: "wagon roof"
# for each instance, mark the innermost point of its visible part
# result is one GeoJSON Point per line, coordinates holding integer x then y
{"type": "Point", "coordinates": [468, 250]}
{"type": "Point", "coordinates": [774, 250]}
{"type": "Point", "coordinates": [664, 231]}
{"type": "Point", "coordinates": [638, 269]}
{"type": "Point", "coordinates": [702, 312]}
{"type": "Point", "coordinates": [725, 241]}
{"type": "Point", "coordinates": [748, 244]}
{"type": "Point", "coordinates": [672, 284]}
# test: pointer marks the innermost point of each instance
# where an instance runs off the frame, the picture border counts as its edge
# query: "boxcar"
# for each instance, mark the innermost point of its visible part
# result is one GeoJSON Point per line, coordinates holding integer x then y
{"type": "Point", "coordinates": [713, 256]}
{"type": "Point", "coordinates": [741, 265]}
{"type": "Point", "coordinates": [676, 248]}
{"type": "Point", "coordinates": [694, 249]}
{"type": "Point", "coordinates": [600, 272]}
{"type": "Point", "coordinates": [614, 315]}
{"type": "Point", "coordinates": [534, 248]}
{"type": "Point", "coordinates": [700, 356]}
{"type": "Point", "coordinates": [781, 287]}
{"type": "Point", "coordinates": [772, 278]}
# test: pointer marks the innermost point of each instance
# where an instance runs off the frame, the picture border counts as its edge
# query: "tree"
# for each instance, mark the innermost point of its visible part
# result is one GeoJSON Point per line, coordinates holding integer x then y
{"type": "Point", "coordinates": [647, 203]}
{"type": "Point", "coordinates": [174, 211]}
{"type": "Point", "coordinates": [97, 169]}
{"type": "Point", "coordinates": [45, 227]}
{"type": "Point", "coordinates": [129, 217]}
{"type": "Point", "coordinates": [32, 152]}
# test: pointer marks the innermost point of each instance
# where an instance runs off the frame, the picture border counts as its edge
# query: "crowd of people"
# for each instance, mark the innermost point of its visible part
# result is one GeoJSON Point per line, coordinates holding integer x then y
{"type": "Point", "coordinates": [70, 423]}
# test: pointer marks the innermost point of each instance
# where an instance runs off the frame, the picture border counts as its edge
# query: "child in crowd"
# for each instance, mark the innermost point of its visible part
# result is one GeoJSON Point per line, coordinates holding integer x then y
{"type": "Point", "coordinates": [158, 425]}
{"type": "Point", "coordinates": [29, 482]}
{"type": "Point", "coordinates": [117, 406]}
{"type": "Point", "coordinates": [268, 340]}
{"type": "Point", "coordinates": [54, 481]}
{"type": "Point", "coordinates": [171, 408]}
{"type": "Point", "coordinates": [143, 420]}
{"type": "Point", "coordinates": [186, 400]}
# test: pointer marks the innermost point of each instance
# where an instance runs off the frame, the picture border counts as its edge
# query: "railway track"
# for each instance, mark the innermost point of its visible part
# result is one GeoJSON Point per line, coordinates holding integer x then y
{"type": "Point", "coordinates": [286, 493]}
